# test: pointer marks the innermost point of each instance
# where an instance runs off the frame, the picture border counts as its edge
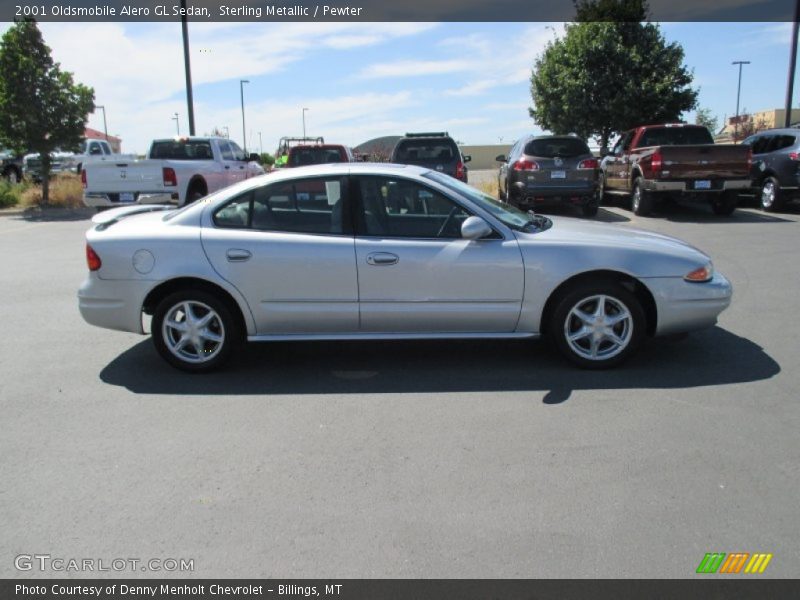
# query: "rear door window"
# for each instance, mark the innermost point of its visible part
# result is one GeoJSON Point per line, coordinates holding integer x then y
{"type": "Point", "coordinates": [557, 147]}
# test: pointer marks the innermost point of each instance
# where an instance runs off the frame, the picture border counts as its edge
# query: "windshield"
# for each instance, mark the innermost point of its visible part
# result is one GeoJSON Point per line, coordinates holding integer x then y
{"type": "Point", "coordinates": [557, 147]}
{"type": "Point", "coordinates": [421, 150]}
{"type": "Point", "coordinates": [316, 155]}
{"type": "Point", "coordinates": [509, 215]}
{"type": "Point", "coordinates": [181, 149]}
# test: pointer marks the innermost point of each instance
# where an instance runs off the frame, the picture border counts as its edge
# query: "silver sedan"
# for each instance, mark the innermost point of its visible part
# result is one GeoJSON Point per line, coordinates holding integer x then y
{"type": "Point", "coordinates": [362, 251]}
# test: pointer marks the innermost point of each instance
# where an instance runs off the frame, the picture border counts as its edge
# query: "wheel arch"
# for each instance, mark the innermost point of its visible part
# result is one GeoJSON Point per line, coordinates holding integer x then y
{"type": "Point", "coordinates": [161, 291]}
{"type": "Point", "coordinates": [629, 282]}
{"type": "Point", "coordinates": [197, 183]}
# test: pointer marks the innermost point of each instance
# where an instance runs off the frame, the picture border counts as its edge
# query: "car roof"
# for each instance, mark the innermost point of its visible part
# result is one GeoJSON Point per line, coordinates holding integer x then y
{"type": "Point", "coordinates": [783, 130]}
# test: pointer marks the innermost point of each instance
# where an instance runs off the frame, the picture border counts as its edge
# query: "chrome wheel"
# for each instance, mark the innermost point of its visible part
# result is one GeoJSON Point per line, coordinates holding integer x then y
{"type": "Point", "coordinates": [636, 199]}
{"type": "Point", "coordinates": [193, 332]}
{"type": "Point", "coordinates": [768, 193]}
{"type": "Point", "coordinates": [598, 327]}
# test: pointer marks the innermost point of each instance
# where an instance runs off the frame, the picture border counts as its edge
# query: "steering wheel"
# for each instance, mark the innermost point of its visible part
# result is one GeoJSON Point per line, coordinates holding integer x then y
{"type": "Point", "coordinates": [447, 221]}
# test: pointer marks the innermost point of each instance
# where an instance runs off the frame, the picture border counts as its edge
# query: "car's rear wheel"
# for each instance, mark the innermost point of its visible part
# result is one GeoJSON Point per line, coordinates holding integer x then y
{"type": "Point", "coordinates": [194, 331]}
{"type": "Point", "coordinates": [724, 204]}
{"type": "Point", "coordinates": [770, 194]}
{"type": "Point", "coordinates": [641, 200]}
{"type": "Point", "coordinates": [601, 188]}
{"type": "Point", "coordinates": [590, 208]}
{"type": "Point", "coordinates": [12, 176]}
{"type": "Point", "coordinates": [597, 325]}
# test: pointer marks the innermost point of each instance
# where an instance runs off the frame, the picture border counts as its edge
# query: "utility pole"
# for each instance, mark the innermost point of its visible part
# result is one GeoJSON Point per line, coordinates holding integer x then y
{"type": "Point", "coordinates": [187, 67]}
{"type": "Point", "coordinates": [244, 133]}
{"type": "Point", "coordinates": [304, 122]}
{"type": "Point", "coordinates": [787, 120]}
{"type": "Point", "coordinates": [105, 126]}
{"type": "Point", "coordinates": [738, 93]}
{"type": "Point", "coordinates": [177, 123]}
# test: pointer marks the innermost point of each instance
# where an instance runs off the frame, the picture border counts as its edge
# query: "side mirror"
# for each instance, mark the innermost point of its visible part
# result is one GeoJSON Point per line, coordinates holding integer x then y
{"type": "Point", "coordinates": [255, 158]}
{"type": "Point", "coordinates": [501, 158]}
{"type": "Point", "coordinates": [475, 228]}
{"type": "Point", "coordinates": [467, 158]}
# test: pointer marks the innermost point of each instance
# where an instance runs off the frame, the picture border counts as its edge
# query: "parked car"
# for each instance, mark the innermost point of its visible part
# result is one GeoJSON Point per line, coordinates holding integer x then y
{"type": "Point", "coordinates": [368, 251]}
{"type": "Point", "coordinates": [177, 170]}
{"type": "Point", "coordinates": [775, 175]}
{"type": "Point", "coordinates": [675, 160]}
{"type": "Point", "coordinates": [10, 166]}
{"type": "Point", "coordinates": [318, 154]}
{"type": "Point", "coordinates": [436, 150]}
{"type": "Point", "coordinates": [550, 169]}
{"type": "Point", "coordinates": [285, 144]}
{"type": "Point", "coordinates": [91, 151]}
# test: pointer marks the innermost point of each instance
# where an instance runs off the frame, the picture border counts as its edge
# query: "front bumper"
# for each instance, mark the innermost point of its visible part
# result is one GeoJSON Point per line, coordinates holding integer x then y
{"type": "Point", "coordinates": [113, 304]}
{"type": "Point", "coordinates": [684, 306]}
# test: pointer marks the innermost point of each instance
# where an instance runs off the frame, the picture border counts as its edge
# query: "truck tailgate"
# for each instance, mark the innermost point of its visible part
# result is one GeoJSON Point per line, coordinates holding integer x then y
{"type": "Point", "coordinates": [717, 161]}
{"type": "Point", "coordinates": [124, 176]}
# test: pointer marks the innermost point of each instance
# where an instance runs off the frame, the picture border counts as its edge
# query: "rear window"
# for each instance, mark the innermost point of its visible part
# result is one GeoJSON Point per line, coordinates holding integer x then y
{"type": "Point", "coordinates": [675, 136]}
{"type": "Point", "coordinates": [182, 150]}
{"type": "Point", "coordinates": [299, 156]}
{"type": "Point", "coordinates": [411, 150]}
{"type": "Point", "coordinates": [561, 147]}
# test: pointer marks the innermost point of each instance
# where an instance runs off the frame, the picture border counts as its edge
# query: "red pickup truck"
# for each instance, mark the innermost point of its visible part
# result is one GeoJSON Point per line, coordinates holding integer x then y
{"type": "Point", "coordinates": [653, 162]}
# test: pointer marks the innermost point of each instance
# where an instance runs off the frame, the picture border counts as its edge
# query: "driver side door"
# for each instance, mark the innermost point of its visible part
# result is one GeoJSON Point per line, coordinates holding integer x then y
{"type": "Point", "coordinates": [416, 274]}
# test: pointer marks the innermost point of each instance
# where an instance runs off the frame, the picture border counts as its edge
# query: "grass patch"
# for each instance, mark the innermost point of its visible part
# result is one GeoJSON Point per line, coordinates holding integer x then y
{"type": "Point", "coordinates": [11, 193]}
{"type": "Point", "coordinates": [66, 191]}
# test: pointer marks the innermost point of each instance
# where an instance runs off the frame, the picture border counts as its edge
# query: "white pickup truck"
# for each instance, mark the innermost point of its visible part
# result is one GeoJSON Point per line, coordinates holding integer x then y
{"type": "Point", "coordinates": [91, 151]}
{"type": "Point", "coordinates": [177, 170]}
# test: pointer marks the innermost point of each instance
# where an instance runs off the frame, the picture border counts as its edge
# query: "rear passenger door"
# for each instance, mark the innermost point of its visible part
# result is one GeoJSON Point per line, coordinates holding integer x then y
{"type": "Point", "coordinates": [288, 247]}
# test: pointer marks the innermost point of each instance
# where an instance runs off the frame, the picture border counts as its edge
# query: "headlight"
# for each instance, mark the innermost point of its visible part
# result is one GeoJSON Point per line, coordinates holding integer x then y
{"type": "Point", "coordinates": [701, 274]}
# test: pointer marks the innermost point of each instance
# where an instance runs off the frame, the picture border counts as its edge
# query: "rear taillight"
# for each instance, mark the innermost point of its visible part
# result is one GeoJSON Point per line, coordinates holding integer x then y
{"type": "Point", "coordinates": [656, 161]}
{"type": "Point", "coordinates": [526, 165]}
{"type": "Point", "coordinates": [589, 163]}
{"type": "Point", "coordinates": [170, 180]}
{"type": "Point", "coordinates": [792, 156]}
{"type": "Point", "coordinates": [92, 259]}
{"type": "Point", "coordinates": [83, 178]}
{"type": "Point", "coordinates": [460, 170]}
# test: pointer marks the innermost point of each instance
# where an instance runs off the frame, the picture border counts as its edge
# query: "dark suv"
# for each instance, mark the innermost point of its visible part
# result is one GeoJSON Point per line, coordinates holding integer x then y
{"type": "Point", "coordinates": [10, 166]}
{"type": "Point", "coordinates": [437, 151]}
{"type": "Point", "coordinates": [318, 154]}
{"type": "Point", "coordinates": [550, 169]}
{"type": "Point", "coordinates": [775, 173]}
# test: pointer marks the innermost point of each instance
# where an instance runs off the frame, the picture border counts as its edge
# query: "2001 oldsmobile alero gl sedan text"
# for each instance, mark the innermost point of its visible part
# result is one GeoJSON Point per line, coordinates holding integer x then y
{"type": "Point", "coordinates": [367, 251]}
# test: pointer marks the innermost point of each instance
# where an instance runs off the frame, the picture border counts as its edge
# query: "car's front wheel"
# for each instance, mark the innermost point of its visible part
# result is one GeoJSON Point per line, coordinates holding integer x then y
{"type": "Point", "coordinates": [597, 325]}
{"type": "Point", "coordinates": [194, 331]}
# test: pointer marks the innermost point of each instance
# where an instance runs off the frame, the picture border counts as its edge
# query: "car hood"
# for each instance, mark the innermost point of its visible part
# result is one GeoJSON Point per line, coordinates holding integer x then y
{"type": "Point", "coordinates": [605, 245]}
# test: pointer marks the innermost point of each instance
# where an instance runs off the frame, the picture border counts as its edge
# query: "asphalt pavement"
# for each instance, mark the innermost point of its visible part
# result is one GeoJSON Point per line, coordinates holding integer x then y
{"type": "Point", "coordinates": [438, 459]}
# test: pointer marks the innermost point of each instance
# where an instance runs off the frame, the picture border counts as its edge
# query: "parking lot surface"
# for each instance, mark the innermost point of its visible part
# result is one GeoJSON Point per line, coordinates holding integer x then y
{"type": "Point", "coordinates": [404, 459]}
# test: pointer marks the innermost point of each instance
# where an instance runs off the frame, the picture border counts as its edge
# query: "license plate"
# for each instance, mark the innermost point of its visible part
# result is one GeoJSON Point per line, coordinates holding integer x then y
{"type": "Point", "coordinates": [703, 184]}
{"type": "Point", "coordinates": [558, 174]}
{"type": "Point", "coordinates": [127, 197]}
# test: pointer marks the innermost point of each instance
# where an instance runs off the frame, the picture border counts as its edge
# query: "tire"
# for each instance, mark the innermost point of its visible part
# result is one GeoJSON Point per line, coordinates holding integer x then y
{"type": "Point", "coordinates": [207, 347]}
{"type": "Point", "coordinates": [770, 196]}
{"type": "Point", "coordinates": [595, 348]}
{"type": "Point", "coordinates": [601, 189]}
{"type": "Point", "coordinates": [641, 200]}
{"type": "Point", "coordinates": [590, 209]}
{"type": "Point", "coordinates": [12, 176]}
{"type": "Point", "coordinates": [724, 204]}
{"type": "Point", "coordinates": [503, 197]}
{"type": "Point", "coordinates": [193, 196]}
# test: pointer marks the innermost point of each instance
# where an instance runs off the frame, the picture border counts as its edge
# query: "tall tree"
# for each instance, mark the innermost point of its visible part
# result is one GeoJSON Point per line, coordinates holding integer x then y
{"type": "Point", "coordinates": [606, 76]}
{"type": "Point", "coordinates": [41, 107]}
{"type": "Point", "coordinates": [706, 118]}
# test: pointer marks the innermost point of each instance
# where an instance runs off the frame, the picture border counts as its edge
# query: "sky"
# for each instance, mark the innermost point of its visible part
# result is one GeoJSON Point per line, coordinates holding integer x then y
{"type": "Point", "coordinates": [364, 80]}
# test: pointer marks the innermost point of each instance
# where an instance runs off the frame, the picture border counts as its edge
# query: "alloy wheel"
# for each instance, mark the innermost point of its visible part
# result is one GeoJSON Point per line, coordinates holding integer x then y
{"type": "Point", "coordinates": [598, 327]}
{"type": "Point", "coordinates": [193, 332]}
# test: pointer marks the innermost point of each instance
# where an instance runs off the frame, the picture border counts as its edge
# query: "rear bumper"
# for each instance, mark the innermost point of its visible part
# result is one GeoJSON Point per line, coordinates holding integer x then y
{"type": "Point", "coordinates": [688, 186]}
{"type": "Point", "coordinates": [102, 199]}
{"type": "Point", "coordinates": [113, 304]}
{"type": "Point", "coordinates": [683, 306]}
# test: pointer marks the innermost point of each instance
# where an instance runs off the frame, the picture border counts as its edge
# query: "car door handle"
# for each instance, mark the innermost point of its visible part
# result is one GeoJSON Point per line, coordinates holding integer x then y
{"type": "Point", "coordinates": [237, 255]}
{"type": "Point", "coordinates": [383, 258]}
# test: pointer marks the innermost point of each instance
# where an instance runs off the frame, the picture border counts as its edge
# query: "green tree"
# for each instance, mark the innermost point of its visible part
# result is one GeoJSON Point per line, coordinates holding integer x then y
{"type": "Point", "coordinates": [267, 159]}
{"type": "Point", "coordinates": [706, 118]}
{"type": "Point", "coordinates": [604, 77]}
{"type": "Point", "coordinates": [41, 108]}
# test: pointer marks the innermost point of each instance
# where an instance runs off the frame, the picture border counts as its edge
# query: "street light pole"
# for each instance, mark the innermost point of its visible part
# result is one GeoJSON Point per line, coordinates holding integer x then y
{"type": "Point", "coordinates": [304, 122]}
{"type": "Point", "coordinates": [787, 120]}
{"type": "Point", "coordinates": [177, 123]}
{"type": "Point", "coordinates": [244, 133]}
{"type": "Point", "coordinates": [738, 93]}
{"type": "Point", "coordinates": [105, 126]}
{"type": "Point", "coordinates": [260, 144]}
{"type": "Point", "coordinates": [187, 67]}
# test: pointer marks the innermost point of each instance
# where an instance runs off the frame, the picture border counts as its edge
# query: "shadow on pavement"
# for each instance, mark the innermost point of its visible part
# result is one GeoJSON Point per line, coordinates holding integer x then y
{"type": "Point", "coordinates": [45, 215]}
{"type": "Point", "coordinates": [711, 357]}
{"type": "Point", "coordinates": [700, 213]}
